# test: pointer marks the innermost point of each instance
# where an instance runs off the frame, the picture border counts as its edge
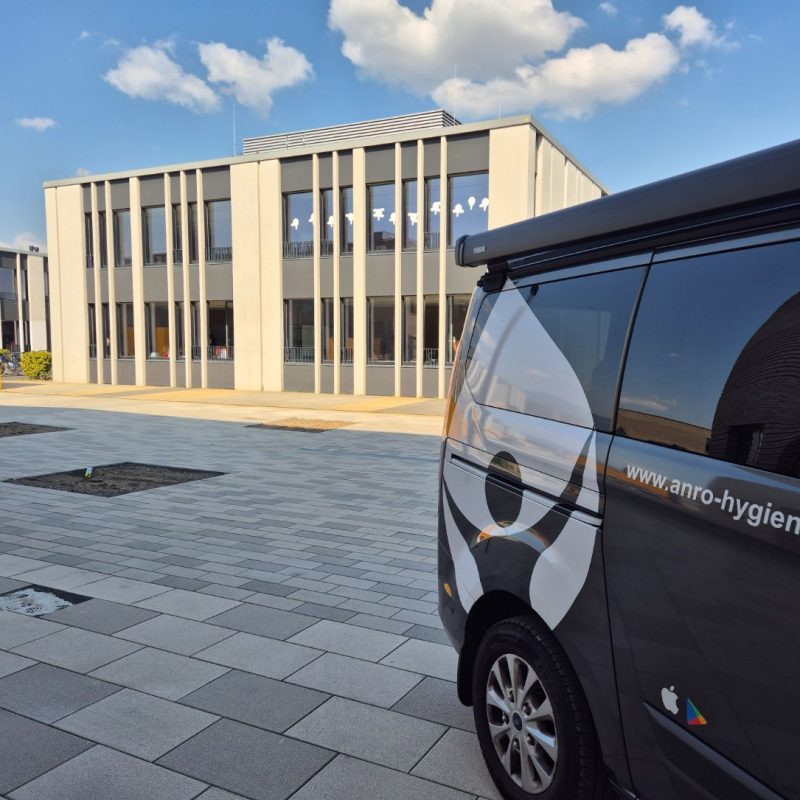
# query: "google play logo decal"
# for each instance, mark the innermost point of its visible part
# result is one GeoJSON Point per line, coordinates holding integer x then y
{"type": "Point", "coordinates": [693, 715]}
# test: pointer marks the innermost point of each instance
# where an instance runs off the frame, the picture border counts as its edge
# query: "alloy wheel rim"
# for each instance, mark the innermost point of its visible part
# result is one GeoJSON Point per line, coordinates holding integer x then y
{"type": "Point", "coordinates": [521, 723]}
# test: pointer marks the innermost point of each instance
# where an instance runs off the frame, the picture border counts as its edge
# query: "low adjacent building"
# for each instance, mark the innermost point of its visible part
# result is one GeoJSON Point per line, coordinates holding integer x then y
{"type": "Point", "coordinates": [24, 300]}
{"type": "Point", "coordinates": [317, 261]}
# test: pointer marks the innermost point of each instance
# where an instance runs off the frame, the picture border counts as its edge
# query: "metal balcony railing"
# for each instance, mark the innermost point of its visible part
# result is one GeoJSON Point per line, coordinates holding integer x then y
{"type": "Point", "coordinates": [89, 261]}
{"type": "Point", "coordinates": [11, 297]}
{"type": "Point", "coordinates": [298, 355]}
{"type": "Point", "coordinates": [155, 259]}
{"type": "Point", "coordinates": [177, 255]}
{"type": "Point", "coordinates": [220, 352]}
{"type": "Point", "coordinates": [431, 240]}
{"type": "Point", "coordinates": [430, 356]}
{"type": "Point", "coordinates": [326, 247]}
{"type": "Point", "coordinates": [298, 249]}
{"type": "Point", "coordinates": [92, 351]}
{"type": "Point", "coordinates": [346, 355]}
{"type": "Point", "coordinates": [216, 255]}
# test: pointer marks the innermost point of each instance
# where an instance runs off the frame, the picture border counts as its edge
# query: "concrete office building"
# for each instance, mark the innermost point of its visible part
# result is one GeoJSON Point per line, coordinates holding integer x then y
{"type": "Point", "coordinates": [24, 300]}
{"type": "Point", "coordinates": [317, 261]}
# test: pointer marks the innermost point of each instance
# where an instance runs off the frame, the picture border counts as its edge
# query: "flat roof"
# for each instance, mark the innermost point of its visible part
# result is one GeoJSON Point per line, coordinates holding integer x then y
{"type": "Point", "coordinates": [23, 251]}
{"type": "Point", "coordinates": [344, 144]}
{"type": "Point", "coordinates": [739, 182]}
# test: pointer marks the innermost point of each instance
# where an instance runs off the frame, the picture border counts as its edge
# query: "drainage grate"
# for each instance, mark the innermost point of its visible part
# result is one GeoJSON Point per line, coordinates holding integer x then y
{"type": "Point", "coordinates": [111, 480]}
{"type": "Point", "coordinates": [304, 425]}
{"type": "Point", "coordinates": [23, 428]}
{"type": "Point", "coordinates": [36, 601]}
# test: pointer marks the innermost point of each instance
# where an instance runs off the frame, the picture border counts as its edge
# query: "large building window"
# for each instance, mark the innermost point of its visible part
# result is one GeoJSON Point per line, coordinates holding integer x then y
{"type": "Point", "coordinates": [24, 274]}
{"type": "Point", "coordinates": [122, 238]}
{"type": "Point", "coordinates": [156, 317]}
{"type": "Point", "coordinates": [469, 205]}
{"type": "Point", "coordinates": [177, 234]}
{"type": "Point", "coordinates": [328, 341]}
{"type": "Point", "coordinates": [194, 322]}
{"type": "Point", "coordinates": [88, 239]}
{"type": "Point", "coordinates": [180, 339]}
{"type": "Point", "coordinates": [430, 330]}
{"type": "Point", "coordinates": [154, 235]}
{"type": "Point", "coordinates": [126, 342]}
{"type": "Point", "coordinates": [457, 306]}
{"type": "Point", "coordinates": [298, 318]}
{"type": "Point", "coordinates": [433, 212]}
{"type": "Point", "coordinates": [219, 233]}
{"type": "Point", "coordinates": [220, 330]}
{"type": "Point", "coordinates": [380, 330]}
{"type": "Point", "coordinates": [92, 331]}
{"type": "Point", "coordinates": [346, 219]}
{"type": "Point", "coordinates": [101, 216]}
{"type": "Point", "coordinates": [326, 222]}
{"type": "Point", "coordinates": [104, 308]}
{"type": "Point", "coordinates": [193, 237]}
{"type": "Point", "coordinates": [346, 330]}
{"type": "Point", "coordinates": [8, 283]}
{"type": "Point", "coordinates": [298, 225]}
{"type": "Point", "coordinates": [380, 206]}
{"type": "Point", "coordinates": [409, 330]}
{"type": "Point", "coordinates": [410, 215]}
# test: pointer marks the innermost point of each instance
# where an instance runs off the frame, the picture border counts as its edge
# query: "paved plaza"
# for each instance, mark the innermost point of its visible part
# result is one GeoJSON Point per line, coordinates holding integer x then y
{"type": "Point", "coordinates": [268, 633]}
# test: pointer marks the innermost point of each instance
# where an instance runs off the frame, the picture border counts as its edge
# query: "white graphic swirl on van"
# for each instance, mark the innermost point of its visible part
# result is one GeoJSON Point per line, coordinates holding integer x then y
{"type": "Point", "coordinates": [754, 514]}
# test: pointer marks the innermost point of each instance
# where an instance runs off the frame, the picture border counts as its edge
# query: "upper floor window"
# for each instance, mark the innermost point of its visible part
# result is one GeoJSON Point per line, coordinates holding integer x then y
{"type": "Point", "coordinates": [177, 234]}
{"type": "Point", "coordinates": [154, 235]}
{"type": "Point", "coordinates": [219, 234]}
{"type": "Point", "coordinates": [469, 205]}
{"type": "Point", "coordinates": [410, 215]}
{"type": "Point", "coordinates": [433, 212]}
{"type": "Point", "coordinates": [298, 225]}
{"type": "Point", "coordinates": [101, 216]}
{"type": "Point", "coordinates": [88, 239]}
{"type": "Point", "coordinates": [326, 222]}
{"type": "Point", "coordinates": [193, 238]}
{"type": "Point", "coordinates": [122, 238]}
{"type": "Point", "coordinates": [382, 217]}
{"type": "Point", "coordinates": [346, 219]}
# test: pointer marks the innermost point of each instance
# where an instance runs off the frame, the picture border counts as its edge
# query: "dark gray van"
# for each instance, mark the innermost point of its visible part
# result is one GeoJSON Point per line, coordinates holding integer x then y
{"type": "Point", "coordinates": [619, 513]}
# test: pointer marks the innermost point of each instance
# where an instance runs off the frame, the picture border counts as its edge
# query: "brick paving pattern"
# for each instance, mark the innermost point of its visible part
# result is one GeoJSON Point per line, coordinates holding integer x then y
{"type": "Point", "coordinates": [270, 633]}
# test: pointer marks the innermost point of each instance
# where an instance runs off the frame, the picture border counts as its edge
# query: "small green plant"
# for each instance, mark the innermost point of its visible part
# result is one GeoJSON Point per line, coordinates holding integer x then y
{"type": "Point", "coordinates": [37, 364]}
{"type": "Point", "coordinates": [5, 352]}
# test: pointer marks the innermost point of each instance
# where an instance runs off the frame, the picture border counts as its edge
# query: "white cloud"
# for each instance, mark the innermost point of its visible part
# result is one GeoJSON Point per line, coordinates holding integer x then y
{"type": "Point", "coordinates": [693, 28]}
{"type": "Point", "coordinates": [252, 81]}
{"type": "Point", "coordinates": [84, 35]}
{"type": "Point", "coordinates": [477, 57]}
{"type": "Point", "coordinates": [82, 172]}
{"type": "Point", "coordinates": [38, 124]}
{"type": "Point", "coordinates": [150, 73]}
{"type": "Point", "coordinates": [22, 240]}
{"type": "Point", "coordinates": [389, 42]}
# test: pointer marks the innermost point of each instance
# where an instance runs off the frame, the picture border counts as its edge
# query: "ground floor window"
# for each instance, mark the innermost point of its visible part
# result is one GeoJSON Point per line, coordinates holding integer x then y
{"type": "Point", "coordinates": [346, 330]}
{"type": "Point", "coordinates": [180, 343]}
{"type": "Point", "coordinates": [157, 327]}
{"type": "Point", "coordinates": [126, 342]}
{"type": "Point", "coordinates": [220, 330]}
{"type": "Point", "coordinates": [328, 342]}
{"type": "Point", "coordinates": [92, 331]}
{"type": "Point", "coordinates": [457, 305]}
{"type": "Point", "coordinates": [380, 330]}
{"type": "Point", "coordinates": [298, 334]}
{"type": "Point", "coordinates": [430, 330]}
{"type": "Point", "coordinates": [104, 309]}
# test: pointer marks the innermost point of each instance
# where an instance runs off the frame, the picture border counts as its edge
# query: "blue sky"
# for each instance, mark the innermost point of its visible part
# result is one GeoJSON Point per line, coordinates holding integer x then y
{"type": "Point", "coordinates": [636, 89]}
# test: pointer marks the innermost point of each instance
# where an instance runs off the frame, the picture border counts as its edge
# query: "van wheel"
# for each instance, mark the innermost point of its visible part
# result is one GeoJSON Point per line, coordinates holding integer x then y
{"type": "Point", "coordinates": [534, 725]}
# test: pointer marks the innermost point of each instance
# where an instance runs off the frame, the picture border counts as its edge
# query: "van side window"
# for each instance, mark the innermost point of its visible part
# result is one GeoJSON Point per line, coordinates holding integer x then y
{"type": "Point", "coordinates": [553, 350]}
{"type": "Point", "coordinates": [714, 362]}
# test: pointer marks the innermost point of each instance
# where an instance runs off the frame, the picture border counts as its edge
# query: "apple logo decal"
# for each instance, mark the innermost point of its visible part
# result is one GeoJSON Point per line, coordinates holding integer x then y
{"type": "Point", "coordinates": [670, 699]}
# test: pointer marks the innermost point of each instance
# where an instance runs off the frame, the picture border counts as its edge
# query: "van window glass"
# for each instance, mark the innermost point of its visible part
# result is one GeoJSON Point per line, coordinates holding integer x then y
{"type": "Point", "coordinates": [714, 363]}
{"type": "Point", "coordinates": [554, 350]}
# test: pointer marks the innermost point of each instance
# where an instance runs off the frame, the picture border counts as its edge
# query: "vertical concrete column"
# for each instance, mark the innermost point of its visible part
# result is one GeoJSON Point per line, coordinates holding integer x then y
{"type": "Point", "coordinates": [398, 254]}
{"type": "Point", "coordinates": [20, 315]}
{"type": "Point", "coordinates": [202, 301]}
{"type": "Point", "coordinates": [137, 276]}
{"type": "Point", "coordinates": [54, 259]}
{"type": "Point", "coordinates": [112, 287]}
{"type": "Point", "coordinates": [359, 271]}
{"type": "Point", "coordinates": [187, 294]}
{"type": "Point", "coordinates": [421, 217]}
{"type": "Point", "coordinates": [444, 232]}
{"type": "Point", "coordinates": [269, 181]}
{"type": "Point", "coordinates": [512, 167]}
{"type": "Point", "coordinates": [98, 305]}
{"type": "Point", "coordinates": [36, 302]}
{"type": "Point", "coordinates": [337, 289]}
{"type": "Point", "coordinates": [173, 338]}
{"type": "Point", "coordinates": [315, 205]}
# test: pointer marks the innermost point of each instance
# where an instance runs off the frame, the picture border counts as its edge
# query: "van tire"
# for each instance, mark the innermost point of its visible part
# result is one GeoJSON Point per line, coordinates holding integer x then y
{"type": "Point", "coordinates": [578, 772]}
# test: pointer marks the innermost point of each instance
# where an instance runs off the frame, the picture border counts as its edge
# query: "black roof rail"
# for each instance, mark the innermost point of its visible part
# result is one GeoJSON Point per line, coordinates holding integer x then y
{"type": "Point", "coordinates": [740, 182]}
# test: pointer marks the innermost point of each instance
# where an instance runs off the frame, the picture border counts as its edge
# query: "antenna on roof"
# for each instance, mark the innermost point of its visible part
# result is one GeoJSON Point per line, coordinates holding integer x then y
{"type": "Point", "coordinates": [455, 78]}
{"type": "Point", "coordinates": [233, 107]}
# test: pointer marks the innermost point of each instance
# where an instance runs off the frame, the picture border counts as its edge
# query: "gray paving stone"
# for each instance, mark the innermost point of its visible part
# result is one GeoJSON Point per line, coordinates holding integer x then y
{"type": "Point", "coordinates": [219, 794]}
{"type": "Point", "coordinates": [231, 592]}
{"type": "Point", "coordinates": [373, 734]}
{"type": "Point", "coordinates": [28, 748]}
{"type": "Point", "coordinates": [191, 605]}
{"type": "Point", "coordinates": [457, 761]}
{"type": "Point", "coordinates": [356, 679]}
{"type": "Point", "coordinates": [121, 590]}
{"type": "Point", "coordinates": [325, 612]}
{"type": "Point", "coordinates": [48, 693]}
{"type": "Point", "coordinates": [271, 622]}
{"type": "Point", "coordinates": [348, 778]}
{"type": "Point", "coordinates": [349, 640]}
{"type": "Point", "coordinates": [9, 585]}
{"type": "Point", "coordinates": [100, 616]}
{"type": "Point", "coordinates": [267, 587]}
{"type": "Point", "coordinates": [428, 658]}
{"type": "Point", "coordinates": [137, 724]}
{"type": "Point", "coordinates": [10, 663]}
{"type": "Point", "coordinates": [246, 760]}
{"type": "Point", "coordinates": [436, 635]}
{"type": "Point", "coordinates": [379, 623]}
{"type": "Point", "coordinates": [256, 700]}
{"type": "Point", "coordinates": [77, 649]}
{"type": "Point", "coordinates": [58, 576]}
{"type": "Point", "coordinates": [271, 658]}
{"type": "Point", "coordinates": [163, 674]}
{"type": "Point", "coordinates": [437, 701]}
{"type": "Point", "coordinates": [17, 629]}
{"type": "Point", "coordinates": [102, 774]}
{"type": "Point", "coordinates": [13, 565]}
{"type": "Point", "coordinates": [176, 582]}
{"type": "Point", "coordinates": [273, 601]}
{"type": "Point", "coordinates": [178, 635]}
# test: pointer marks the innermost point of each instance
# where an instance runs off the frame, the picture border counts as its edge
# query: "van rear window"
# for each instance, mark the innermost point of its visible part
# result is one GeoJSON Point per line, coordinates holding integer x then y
{"type": "Point", "coordinates": [714, 362]}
